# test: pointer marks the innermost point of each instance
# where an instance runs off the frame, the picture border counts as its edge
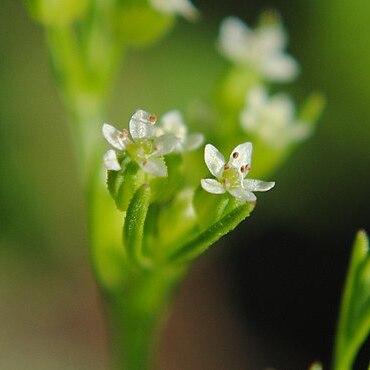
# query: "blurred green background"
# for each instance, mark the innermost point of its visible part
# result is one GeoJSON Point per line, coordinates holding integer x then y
{"type": "Point", "coordinates": [268, 295]}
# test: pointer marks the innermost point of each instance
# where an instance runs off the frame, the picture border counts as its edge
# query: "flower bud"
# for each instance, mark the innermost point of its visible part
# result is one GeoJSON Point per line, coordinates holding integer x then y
{"type": "Point", "coordinates": [141, 25]}
{"type": "Point", "coordinates": [57, 12]}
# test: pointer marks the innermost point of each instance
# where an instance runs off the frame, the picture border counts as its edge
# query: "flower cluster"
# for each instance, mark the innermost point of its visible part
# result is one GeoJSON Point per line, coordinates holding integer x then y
{"type": "Point", "coordinates": [261, 49]}
{"type": "Point", "coordinates": [272, 119]}
{"type": "Point", "coordinates": [231, 176]}
{"type": "Point", "coordinates": [148, 143]}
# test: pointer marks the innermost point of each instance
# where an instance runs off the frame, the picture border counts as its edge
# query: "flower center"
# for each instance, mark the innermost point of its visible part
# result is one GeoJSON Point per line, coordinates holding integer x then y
{"type": "Point", "coordinates": [141, 150]}
{"type": "Point", "coordinates": [231, 177]}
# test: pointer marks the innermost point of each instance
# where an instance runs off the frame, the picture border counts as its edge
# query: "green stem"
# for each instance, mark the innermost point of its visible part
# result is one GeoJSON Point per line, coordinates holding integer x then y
{"type": "Point", "coordinates": [136, 315]}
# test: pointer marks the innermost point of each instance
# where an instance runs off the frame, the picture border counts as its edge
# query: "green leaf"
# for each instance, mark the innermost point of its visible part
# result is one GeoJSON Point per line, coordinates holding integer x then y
{"type": "Point", "coordinates": [205, 239]}
{"type": "Point", "coordinates": [114, 182]}
{"type": "Point", "coordinates": [176, 219]}
{"type": "Point", "coordinates": [133, 178]}
{"type": "Point", "coordinates": [164, 188]}
{"type": "Point", "coordinates": [133, 229]}
{"type": "Point", "coordinates": [312, 109]}
{"type": "Point", "coordinates": [123, 184]}
{"type": "Point", "coordinates": [209, 207]}
{"type": "Point", "coordinates": [354, 319]}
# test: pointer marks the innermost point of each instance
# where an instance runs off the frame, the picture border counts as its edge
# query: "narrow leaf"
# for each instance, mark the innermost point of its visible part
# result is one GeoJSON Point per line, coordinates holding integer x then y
{"type": "Point", "coordinates": [312, 108]}
{"type": "Point", "coordinates": [133, 178]}
{"type": "Point", "coordinates": [204, 240]}
{"type": "Point", "coordinates": [133, 228]}
{"type": "Point", "coordinates": [354, 319]}
{"type": "Point", "coordinates": [209, 207]}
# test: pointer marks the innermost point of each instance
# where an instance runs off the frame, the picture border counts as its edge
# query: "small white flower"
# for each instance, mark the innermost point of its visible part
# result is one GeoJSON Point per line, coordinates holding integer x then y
{"type": "Point", "coordinates": [145, 148]}
{"type": "Point", "coordinates": [272, 119]}
{"type": "Point", "coordinates": [172, 123]}
{"type": "Point", "coordinates": [230, 176]}
{"type": "Point", "coordinates": [261, 49]}
{"type": "Point", "coordinates": [181, 7]}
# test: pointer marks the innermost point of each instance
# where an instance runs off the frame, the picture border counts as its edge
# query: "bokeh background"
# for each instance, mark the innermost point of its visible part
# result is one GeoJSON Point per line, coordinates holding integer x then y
{"type": "Point", "coordinates": [265, 296]}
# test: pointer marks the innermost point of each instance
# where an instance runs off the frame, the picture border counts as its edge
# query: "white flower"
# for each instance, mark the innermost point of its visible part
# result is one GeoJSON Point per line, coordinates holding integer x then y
{"type": "Point", "coordinates": [261, 49]}
{"type": "Point", "coordinates": [230, 176]}
{"type": "Point", "coordinates": [173, 123]}
{"type": "Point", "coordinates": [272, 119]}
{"type": "Point", "coordinates": [181, 7]}
{"type": "Point", "coordinates": [145, 148]}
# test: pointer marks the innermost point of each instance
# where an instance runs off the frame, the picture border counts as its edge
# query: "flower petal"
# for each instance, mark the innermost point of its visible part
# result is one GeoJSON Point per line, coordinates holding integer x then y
{"type": "Point", "coordinates": [300, 131]}
{"type": "Point", "coordinates": [257, 98]}
{"type": "Point", "coordinates": [242, 194]}
{"type": "Point", "coordinates": [182, 7]}
{"type": "Point", "coordinates": [215, 161]}
{"type": "Point", "coordinates": [111, 161]}
{"type": "Point", "coordinates": [141, 125]}
{"type": "Point", "coordinates": [280, 67]}
{"type": "Point", "coordinates": [155, 167]}
{"type": "Point", "coordinates": [272, 38]}
{"type": "Point", "coordinates": [165, 144]}
{"type": "Point", "coordinates": [192, 142]}
{"type": "Point", "coordinates": [248, 119]}
{"type": "Point", "coordinates": [241, 155]}
{"type": "Point", "coordinates": [257, 185]}
{"type": "Point", "coordinates": [173, 123]}
{"type": "Point", "coordinates": [234, 39]}
{"type": "Point", "coordinates": [112, 135]}
{"type": "Point", "coordinates": [212, 186]}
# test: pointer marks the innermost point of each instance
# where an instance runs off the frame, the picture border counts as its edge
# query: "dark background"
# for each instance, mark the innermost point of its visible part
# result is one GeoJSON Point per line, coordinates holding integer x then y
{"type": "Point", "coordinates": [267, 295]}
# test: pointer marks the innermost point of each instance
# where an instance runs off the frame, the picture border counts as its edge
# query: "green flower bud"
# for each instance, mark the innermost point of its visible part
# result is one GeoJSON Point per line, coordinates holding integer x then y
{"type": "Point", "coordinates": [57, 12]}
{"type": "Point", "coordinates": [141, 25]}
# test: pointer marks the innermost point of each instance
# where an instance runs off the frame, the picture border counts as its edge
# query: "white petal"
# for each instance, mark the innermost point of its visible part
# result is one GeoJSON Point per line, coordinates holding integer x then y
{"type": "Point", "coordinates": [279, 67]}
{"type": "Point", "coordinates": [212, 186]}
{"type": "Point", "coordinates": [249, 119]}
{"type": "Point", "coordinates": [141, 125]}
{"type": "Point", "coordinates": [112, 135]}
{"type": "Point", "coordinates": [215, 161]}
{"type": "Point", "coordinates": [193, 141]}
{"type": "Point", "coordinates": [182, 7]}
{"type": "Point", "coordinates": [172, 123]}
{"type": "Point", "coordinates": [234, 38]}
{"type": "Point", "coordinates": [257, 185]}
{"type": "Point", "coordinates": [155, 167]}
{"type": "Point", "coordinates": [241, 155]}
{"type": "Point", "coordinates": [165, 144]}
{"type": "Point", "coordinates": [281, 108]}
{"type": "Point", "coordinates": [257, 98]}
{"type": "Point", "coordinates": [300, 131]}
{"type": "Point", "coordinates": [242, 194]}
{"type": "Point", "coordinates": [111, 161]}
{"type": "Point", "coordinates": [272, 38]}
